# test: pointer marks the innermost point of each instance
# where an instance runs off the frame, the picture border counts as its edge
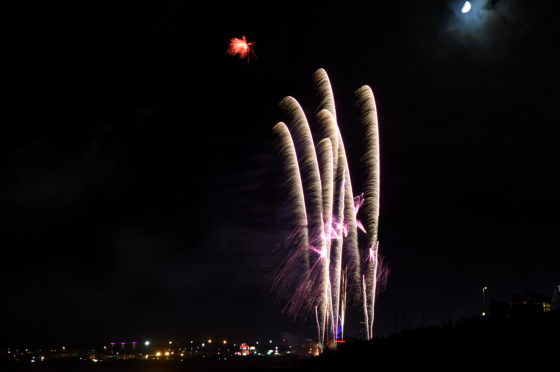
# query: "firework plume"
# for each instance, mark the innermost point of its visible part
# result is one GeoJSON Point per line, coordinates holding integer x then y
{"type": "Point", "coordinates": [328, 259]}
{"type": "Point", "coordinates": [241, 48]}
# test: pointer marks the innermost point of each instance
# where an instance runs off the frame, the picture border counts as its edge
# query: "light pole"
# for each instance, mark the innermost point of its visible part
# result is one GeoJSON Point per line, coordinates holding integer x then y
{"type": "Point", "coordinates": [484, 289]}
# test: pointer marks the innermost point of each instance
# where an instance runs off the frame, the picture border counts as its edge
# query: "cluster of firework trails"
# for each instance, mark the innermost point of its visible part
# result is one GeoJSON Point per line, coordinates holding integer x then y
{"type": "Point", "coordinates": [333, 258]}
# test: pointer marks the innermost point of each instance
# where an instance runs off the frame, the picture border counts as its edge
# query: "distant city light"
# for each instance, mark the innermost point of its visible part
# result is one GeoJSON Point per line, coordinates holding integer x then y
{"type": "Point", "coordinates": [210, 341]}
{"type": "Point", "coordinates": [466, 7]}
{"type": "Point", "coordinates": [170, 342]}
{"type": "Point", "coordinates": [158, 353]}
{"type": "Point", "coordinates": [225, 342]}
{"type": "Point", "coordinates": [147, 343]}
{"type": "Point", "coordinates": [167, 353]}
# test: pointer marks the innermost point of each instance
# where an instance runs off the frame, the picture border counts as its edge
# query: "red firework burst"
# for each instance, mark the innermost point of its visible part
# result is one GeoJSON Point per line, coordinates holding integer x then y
{"type": "Point", "coordinates": [241, 47]}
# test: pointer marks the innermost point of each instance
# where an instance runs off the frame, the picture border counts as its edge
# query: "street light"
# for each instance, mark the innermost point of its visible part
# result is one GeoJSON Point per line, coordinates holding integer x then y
{"type": "Point", "coordinates": [484, 289]}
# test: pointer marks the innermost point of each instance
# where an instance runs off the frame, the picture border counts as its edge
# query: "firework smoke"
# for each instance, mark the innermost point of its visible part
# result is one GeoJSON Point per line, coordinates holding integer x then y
{"type": "Point", "coordinates": [326, 257]}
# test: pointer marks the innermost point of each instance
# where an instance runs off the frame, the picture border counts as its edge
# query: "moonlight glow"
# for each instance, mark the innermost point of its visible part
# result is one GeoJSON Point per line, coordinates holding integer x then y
{"type": "Point", "coordinates": [466, 7]}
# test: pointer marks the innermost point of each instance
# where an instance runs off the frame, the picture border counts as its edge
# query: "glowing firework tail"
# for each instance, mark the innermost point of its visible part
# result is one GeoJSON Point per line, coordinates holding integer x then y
{"type": "Point", "coordinates": [309, 166]}
{"type": "Point", "coordinates": [295, 186]}
{"type": "Point", "coordinates": [324, 91]}
{"type": "Point", "coordinates": [326, 259]}
{"type": "Point", "coordinates": [325, 154]}
{"type": "Point", "coordinates": [307, 159]}
{"type": "Point", "coordinates": [241, 47]}
{"type": "Point", "coordinates": [366, 104]}
{"type": "Point", "coordinates": [368, 119]}
{"type": "Point", "coordinates": [326, 166]}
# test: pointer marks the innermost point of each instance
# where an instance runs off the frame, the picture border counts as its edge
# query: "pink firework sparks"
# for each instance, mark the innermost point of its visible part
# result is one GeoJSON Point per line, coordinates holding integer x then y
{"type": "Point", "coordinates": [371, 255]}
{"type": "Point", "coordinates": [322, 252]}
{"type": "Point", "coordinates": [360, 225]}
{"type": "Point", "coordinates": [358, 202]}
{"type": "Point", "coordinates": [346, 229]}
{"type": "Point", "coordinates": [337, 230]}
{"type": "Point", "coordinates": [241, 47]}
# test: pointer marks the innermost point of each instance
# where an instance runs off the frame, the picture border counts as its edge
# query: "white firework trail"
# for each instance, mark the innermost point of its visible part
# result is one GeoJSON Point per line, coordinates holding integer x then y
{"type": "Point", "coordinates": [368, 119]}
{"type": "Point", "coordinates": [325, 240]}
{"type": "Point", "coordinates": [324, 91]}
{"type": "Point", "coordinates": [295, 185]}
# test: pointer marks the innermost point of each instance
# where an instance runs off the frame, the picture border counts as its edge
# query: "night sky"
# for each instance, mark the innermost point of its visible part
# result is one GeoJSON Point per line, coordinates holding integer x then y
{"type": "Point", "coordinates": [141, 196]}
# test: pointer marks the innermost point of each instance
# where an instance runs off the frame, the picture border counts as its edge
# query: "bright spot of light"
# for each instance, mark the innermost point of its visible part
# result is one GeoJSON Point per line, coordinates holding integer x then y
{"type": "Point", "coordinates": [466, 7]}
{"type": "Point", "coordinates": [147, 343]}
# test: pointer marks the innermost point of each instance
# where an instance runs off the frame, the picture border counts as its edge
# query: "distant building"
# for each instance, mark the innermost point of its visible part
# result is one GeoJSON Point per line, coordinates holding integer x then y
{"type": "Point", "coordinates": [530, 303]}
{"type": "Point", "coordinates": [556, 298]}
{"type": "Point", "coordinates": [245, 350]}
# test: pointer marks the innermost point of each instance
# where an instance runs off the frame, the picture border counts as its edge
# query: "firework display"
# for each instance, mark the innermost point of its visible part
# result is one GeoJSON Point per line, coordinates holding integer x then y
{"type": "Point", "coordinates": [241, 48]}
{"type": "Point", "coordinates": [333, 255]}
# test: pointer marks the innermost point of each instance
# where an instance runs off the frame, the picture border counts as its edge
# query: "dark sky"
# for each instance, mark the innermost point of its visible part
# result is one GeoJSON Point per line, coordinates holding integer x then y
{"type": "Point", "coordinates": [141, 195]}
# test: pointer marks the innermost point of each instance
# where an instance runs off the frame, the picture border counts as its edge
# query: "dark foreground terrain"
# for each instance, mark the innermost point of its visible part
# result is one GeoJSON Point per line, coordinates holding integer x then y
{"type": "Point", "coordinates": [523, 342]}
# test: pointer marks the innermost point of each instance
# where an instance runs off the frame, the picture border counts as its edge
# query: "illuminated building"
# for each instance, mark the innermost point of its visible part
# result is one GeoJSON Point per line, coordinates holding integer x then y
{"type": "Point", "coordinates": [556, 298]}
{"type": "Point", "coordinates": [245, 350]}
{"type": "Point", "coordinates": [530, 303]}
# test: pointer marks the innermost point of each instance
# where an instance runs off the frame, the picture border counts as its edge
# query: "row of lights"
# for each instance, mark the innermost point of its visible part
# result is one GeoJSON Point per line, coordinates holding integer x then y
{"type": "Point", "coordinates": [147, 343]}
